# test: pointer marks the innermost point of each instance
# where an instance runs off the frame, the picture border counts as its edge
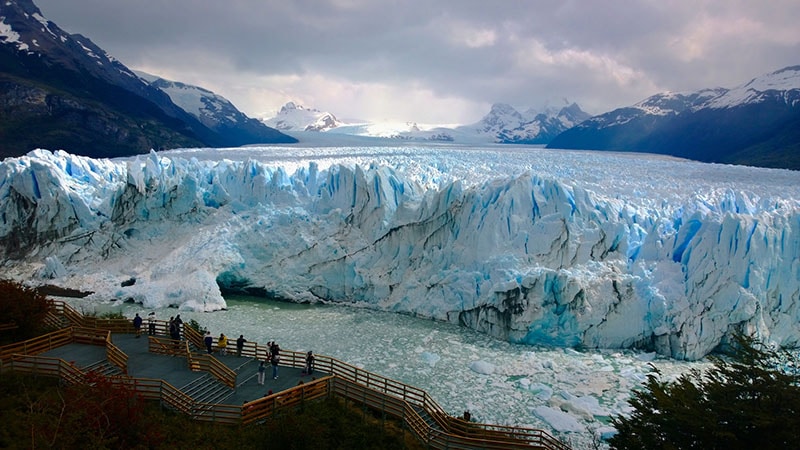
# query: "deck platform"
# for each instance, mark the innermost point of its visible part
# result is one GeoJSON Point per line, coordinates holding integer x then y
{"type": "Point", "coordinates": [175, 370]}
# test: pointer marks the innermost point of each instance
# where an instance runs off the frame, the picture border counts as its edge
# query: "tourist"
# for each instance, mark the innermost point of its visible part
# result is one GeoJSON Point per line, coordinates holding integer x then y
{"type": "Point", "coordinates": [276, 358]}
{"type": "Point", "coordinates": [222, 344]}
{"type": "Point", "coordinates": [137, 325]}
{"type": "Point", "coordinates": [240, 344]}
{"type": "Point", "coordinates": [151, 323]}
{"type": "Point", "coordinates": [178, 327]}
{"type": "Point", "coordinates": [309, 363]}
{"type": "Point", "coordinates": [209, 341]}
{"type": "Point", "coordinates": [262, 372]}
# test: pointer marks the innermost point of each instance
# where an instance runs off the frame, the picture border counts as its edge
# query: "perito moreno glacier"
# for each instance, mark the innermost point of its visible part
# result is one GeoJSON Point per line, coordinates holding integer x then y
{"type": "Point", "coordinates": [534, 246]}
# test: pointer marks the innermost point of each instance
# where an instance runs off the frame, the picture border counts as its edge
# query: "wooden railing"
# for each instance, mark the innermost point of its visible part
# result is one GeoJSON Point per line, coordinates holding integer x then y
{"type": "Point", "coordinates": [116, 356]}
{"type": "Point", "coordinates": [220, 371]}
{"type": "Point", "coordinates": [42, 365]}
{"type": "Point", "coordinates": [293, 398]}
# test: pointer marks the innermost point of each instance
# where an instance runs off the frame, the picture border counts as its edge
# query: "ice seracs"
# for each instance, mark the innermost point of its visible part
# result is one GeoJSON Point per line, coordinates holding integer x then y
{"type": "Point", "coordinates": [556, 248]}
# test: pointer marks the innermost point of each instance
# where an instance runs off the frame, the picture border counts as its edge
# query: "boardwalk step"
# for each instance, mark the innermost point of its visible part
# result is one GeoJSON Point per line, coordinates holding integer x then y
{"type": "Point", "coordinates": [426, 417]}
{"type": "Point", "coordinates": [103, 368]}
{"type": "Point", "coordinates": [207, 389]}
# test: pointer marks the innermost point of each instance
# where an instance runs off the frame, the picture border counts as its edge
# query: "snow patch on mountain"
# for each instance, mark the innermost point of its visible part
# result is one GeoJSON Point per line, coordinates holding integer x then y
{"type": "Point", "coordinates": [295, 117]}
{"type": "Point", "coordinates": [210, 108]}
{"type": "Point", "coordinates": [504, 124]}
{"type": "Point", "coordinates": [784, 84]}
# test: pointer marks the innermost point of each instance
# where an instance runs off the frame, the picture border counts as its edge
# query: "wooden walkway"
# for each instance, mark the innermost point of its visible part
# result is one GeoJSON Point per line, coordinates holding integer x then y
{"type": "Point", "coordinates": [175, 371]}
{"type": "Point", "coordinates": [224, 388]}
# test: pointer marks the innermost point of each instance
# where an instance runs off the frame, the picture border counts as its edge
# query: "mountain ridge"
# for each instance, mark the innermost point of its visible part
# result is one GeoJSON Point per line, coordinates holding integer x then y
{"type": "Point", "coordinates": [62, 91]}
{"type": "Point", "coordinates": [502, 124]}
{"type": "Point", "coordinates": [754, 123]}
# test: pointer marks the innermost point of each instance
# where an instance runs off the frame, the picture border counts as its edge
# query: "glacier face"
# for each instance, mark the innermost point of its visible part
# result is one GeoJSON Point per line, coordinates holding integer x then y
{"type": "Point", "coordinates": [528, 245]}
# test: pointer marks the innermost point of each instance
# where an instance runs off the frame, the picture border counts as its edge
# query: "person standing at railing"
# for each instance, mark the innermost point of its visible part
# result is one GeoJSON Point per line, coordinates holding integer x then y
{"type": "Point", "coordinates": [151, 323]}
{"type": "Point", "coordinates": [222, 344]}
{"type": "Point", "coordinates": [178, 327]}
{"type": "Point", "coordinates": [137, 325]}
{"type": "Point", "coordinates": [276, 358]}
{"type": "Point", "coordinates": [240, 344]}
{"type": "Point", "coordinates": [209, 341]}
{"type": "Point", "coordinates": [309, 363]}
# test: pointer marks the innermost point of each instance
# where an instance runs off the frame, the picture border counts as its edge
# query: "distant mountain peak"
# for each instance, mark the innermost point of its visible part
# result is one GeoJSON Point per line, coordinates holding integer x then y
{"type": "Point", "coordinates": [504, 124]}
{"type": "Point", "coordinates": [295, 117]}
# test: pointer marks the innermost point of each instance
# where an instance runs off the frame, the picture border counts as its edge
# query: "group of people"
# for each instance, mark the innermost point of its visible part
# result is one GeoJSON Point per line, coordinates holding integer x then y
{"type": "Point", "coordinates": [222, 344]}
{"type": "Point", "coordinates": [273, 352]}
{"type": "Point", "coordinates": [174, 326]}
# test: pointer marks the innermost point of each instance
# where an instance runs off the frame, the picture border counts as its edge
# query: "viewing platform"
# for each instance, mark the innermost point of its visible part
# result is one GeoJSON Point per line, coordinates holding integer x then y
{"type": "Point", "coordinates": [182, 376]}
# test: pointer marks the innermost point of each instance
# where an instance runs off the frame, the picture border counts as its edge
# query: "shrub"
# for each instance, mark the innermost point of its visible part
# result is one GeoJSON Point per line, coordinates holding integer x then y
{"type": "Point", "coordinates": [748, 400]}
{"type": "Point", "coordinates": [24, 307]}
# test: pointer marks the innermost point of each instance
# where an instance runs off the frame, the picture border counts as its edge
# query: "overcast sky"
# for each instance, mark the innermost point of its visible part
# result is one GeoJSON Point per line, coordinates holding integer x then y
{"type": "Point", "coordinates": [440, 61]}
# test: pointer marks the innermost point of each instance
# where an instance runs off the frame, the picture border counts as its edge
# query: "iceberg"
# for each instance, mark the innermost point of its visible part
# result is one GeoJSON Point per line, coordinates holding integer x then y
{"type": "Point", "coordinates": [571, 249]}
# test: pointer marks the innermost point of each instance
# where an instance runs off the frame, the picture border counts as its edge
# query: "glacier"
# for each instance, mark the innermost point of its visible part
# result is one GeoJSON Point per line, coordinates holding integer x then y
{"type": "Point", "coordinates": [532, 246]}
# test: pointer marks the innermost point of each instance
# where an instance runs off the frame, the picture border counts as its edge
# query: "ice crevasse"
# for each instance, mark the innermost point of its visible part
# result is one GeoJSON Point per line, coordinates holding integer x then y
{"type": "Point", "coordinates": [527, 258]}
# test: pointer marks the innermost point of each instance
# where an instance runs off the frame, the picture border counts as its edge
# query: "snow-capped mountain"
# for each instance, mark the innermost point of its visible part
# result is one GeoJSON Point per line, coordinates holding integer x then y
{"type": "Point", "coordinates": [294, 117]}
{"type": "Point", "coordinates": [213, 110]}
{"type": "Point", "coordinates": [63, 91]}
{"type": "Point", "coordinates": [504, 124]}
{"type": "Point", "coordinates": [756, 123]}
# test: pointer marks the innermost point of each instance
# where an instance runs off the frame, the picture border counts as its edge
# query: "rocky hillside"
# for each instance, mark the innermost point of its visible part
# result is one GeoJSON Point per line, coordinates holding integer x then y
{"type": "Point", "coordinates": [61, 91]}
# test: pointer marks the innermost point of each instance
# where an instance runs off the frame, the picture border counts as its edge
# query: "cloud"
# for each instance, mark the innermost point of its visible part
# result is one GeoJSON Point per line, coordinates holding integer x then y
{"type": "Point", "coordinates": [440, 61]}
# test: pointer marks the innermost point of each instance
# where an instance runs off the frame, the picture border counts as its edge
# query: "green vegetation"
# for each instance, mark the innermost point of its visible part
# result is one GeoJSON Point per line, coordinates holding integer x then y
{"type": "Point", "coordinates": [24, 308]}
{"type": "Point", "coordinates": [749, 400]}
{"type": "Point", "coordinates": [36, 412]}
{"type": "Point", "coordinates": [195, 325]}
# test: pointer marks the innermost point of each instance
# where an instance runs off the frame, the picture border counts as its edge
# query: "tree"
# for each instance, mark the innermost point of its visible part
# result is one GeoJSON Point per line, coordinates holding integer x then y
{"type": "Point", "coordinates": [749, 399]}
{"type": "Point", "coordinates": [24, 307]}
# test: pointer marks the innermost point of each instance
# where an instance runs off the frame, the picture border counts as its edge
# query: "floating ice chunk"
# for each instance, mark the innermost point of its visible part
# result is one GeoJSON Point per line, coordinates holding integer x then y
{"type": "Point", "coordinates": [558, 420]}
{"type": "Point", "coordinates": [541, 390]}
{"type": "Point", "coordinates": [646, 357]}
{"type": "Point", "coordinates": [482, 367]}
{"type": "Point", "coordinates": [591, 404]}
{"type": "Point", "coordinates": [430, 358]}
{"type": "Point", "coordinates": [605, 433]}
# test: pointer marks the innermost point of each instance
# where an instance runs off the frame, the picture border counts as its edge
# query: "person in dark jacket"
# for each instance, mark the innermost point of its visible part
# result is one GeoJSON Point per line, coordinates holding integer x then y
{"type": "Point", "coordinates": [309, 362]}
{"type": "Point", "coordinates": [137, 325]}
{"type": "Point", "coordinates": [209, 341]}
{"type": "Point", "coordinates": [240, 344]}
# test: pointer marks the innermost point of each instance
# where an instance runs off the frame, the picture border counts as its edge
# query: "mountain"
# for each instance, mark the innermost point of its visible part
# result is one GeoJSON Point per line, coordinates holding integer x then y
{"type": "Point", "coordinates": [215, 112]}
{"type": "Point", "coordinates": [294, 117]}
{"type": "Point", "coordinates": [504, 124]}
{"type": "Point", "coordinates": [60, 90]}
{"type": "Point", "coordinates": [756, 123]}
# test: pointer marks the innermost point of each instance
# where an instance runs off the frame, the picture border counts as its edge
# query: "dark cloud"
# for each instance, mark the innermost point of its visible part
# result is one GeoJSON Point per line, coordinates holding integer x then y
{"type": "Point", "coordinates": [440, 61]}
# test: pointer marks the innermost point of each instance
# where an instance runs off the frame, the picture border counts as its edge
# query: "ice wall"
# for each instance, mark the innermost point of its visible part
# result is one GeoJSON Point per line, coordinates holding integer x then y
{"type": "Point", "coordinates": [527, 258]}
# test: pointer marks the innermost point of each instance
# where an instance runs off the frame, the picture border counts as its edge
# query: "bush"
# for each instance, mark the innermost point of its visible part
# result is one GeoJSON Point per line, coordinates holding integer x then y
{"type": "Point", "coordinates": [24, 307]}
{"type": "Point", "coordinates": [749, 400]}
